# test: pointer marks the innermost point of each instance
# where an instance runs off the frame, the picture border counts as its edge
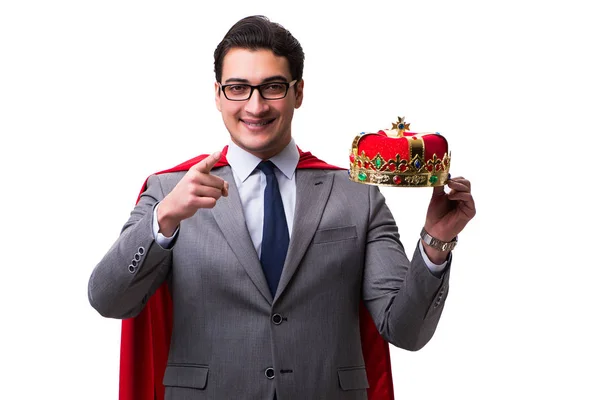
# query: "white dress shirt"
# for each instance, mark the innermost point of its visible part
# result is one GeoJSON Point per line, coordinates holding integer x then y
{"type": "Point", "coordinates": [251, 184]}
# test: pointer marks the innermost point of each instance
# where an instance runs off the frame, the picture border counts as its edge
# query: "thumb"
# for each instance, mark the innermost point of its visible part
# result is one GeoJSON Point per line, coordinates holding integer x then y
{"type": "Point", "coordinates": [208, 163]}
{"type": "Point", "coordinates": [438, 191]}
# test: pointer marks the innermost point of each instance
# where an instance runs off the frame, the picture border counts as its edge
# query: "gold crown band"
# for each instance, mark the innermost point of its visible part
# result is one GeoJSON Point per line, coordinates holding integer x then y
{"type": "Point", "coordinates": [382, 178]}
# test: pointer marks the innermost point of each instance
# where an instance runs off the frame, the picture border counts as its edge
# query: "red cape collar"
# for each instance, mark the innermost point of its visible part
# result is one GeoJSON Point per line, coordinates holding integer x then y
{"type": "Point", "coordinates": [306, 161]}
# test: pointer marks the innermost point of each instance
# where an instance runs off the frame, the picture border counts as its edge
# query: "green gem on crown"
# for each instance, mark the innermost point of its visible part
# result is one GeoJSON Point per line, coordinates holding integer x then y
{"type": "Point", "coordinates": [433, 179]}
{"type": "Point", "coordinates": [378, 162]}
{"type": "Point", "coordinates": [362, 176]}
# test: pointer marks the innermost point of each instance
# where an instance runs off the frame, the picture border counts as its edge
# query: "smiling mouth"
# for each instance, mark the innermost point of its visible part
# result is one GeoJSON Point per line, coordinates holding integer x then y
{"type": "Point", "coordinates": [259, 123]}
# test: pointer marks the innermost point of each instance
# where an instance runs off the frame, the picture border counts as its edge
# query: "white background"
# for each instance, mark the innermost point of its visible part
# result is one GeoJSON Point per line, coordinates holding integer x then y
{"type": "Point", "coordinates": [95, 96]}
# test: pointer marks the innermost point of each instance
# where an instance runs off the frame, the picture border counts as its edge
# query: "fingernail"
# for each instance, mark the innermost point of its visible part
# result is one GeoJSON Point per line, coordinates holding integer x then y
{"type": "Point", "coordinates": [217, 154]}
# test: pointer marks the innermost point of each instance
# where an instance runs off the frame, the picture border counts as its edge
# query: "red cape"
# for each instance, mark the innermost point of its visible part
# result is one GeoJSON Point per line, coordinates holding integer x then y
{"type": "Point", "coordinates": [145, 339]}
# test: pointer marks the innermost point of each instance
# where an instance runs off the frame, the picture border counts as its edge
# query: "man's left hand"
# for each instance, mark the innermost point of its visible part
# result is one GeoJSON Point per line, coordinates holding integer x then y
{"type": "Point", "coordinates": [449, 213]}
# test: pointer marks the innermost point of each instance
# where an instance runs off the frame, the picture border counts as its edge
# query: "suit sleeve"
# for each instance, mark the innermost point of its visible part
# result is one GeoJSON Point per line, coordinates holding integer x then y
{"type": "Point", "coordinates": [404, 297]}
{"type": "Point", "coordinates": [135, 266]}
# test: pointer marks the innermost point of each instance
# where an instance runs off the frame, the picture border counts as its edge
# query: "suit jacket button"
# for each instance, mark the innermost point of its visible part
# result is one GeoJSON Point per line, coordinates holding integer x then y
{"type": "Point", "coordinates": [270, 373]}
{"type": "Point", "coordinates": [276, 318]}
{"type": "Point", "coordinates": [131, 268]}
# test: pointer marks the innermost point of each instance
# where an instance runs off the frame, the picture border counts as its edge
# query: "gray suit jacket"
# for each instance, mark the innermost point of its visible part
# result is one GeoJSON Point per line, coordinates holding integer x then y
{"type": "Point", "coordinates": [228, 331]}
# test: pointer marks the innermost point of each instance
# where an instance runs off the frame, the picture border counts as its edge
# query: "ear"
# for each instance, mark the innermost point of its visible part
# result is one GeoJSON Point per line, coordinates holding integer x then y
{"type": "Point", "coordinates": [299, 93]}
{"type": "Point", "coordinates": [218, 96]}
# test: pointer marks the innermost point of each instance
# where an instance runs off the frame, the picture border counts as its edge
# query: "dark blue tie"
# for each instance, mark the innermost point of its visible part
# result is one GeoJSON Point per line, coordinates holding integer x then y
{"type": "Point", "coordinates": [275, 239]}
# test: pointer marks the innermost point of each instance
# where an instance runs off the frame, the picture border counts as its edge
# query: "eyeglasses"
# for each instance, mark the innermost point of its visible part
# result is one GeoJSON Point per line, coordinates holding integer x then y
{"type": "Point", "coordinates": [268, 91]}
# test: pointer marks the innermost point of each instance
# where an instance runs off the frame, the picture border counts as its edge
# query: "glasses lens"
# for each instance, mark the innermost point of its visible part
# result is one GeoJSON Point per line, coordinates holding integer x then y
{"type": "Point", "coordinates": [237, 92]}
{"type": "Point", "coordinates": [275, 90]}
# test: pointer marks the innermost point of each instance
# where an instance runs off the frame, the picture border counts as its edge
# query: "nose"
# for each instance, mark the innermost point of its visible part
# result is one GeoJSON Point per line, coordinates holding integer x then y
{"type": "Point", "coordinates": [256, 105]}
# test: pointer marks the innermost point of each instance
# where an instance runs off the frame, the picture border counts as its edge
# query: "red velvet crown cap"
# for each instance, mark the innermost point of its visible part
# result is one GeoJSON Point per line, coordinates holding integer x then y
{"type": "Point", "coordinates": [399, 158]}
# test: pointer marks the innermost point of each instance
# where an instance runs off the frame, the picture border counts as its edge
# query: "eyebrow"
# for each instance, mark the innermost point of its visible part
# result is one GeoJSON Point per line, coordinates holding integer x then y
{"type": "Point", "coordinates": [275, 78]}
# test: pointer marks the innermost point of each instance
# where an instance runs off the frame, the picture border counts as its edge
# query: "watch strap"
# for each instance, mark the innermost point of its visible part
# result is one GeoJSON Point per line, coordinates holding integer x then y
{"type": "Point", "coordinates": [437, 243]}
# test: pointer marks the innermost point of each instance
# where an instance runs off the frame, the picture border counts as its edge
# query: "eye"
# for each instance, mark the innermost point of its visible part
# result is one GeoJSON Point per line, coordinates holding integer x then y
{"type": "Point", "coordinates": [237, 89]}
{"type": "Point", "coordinates": [275, 87]}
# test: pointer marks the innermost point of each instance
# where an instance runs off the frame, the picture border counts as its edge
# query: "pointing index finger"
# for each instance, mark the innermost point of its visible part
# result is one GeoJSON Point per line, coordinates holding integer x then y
{"type": "Point", "coordinates": [208, 163]}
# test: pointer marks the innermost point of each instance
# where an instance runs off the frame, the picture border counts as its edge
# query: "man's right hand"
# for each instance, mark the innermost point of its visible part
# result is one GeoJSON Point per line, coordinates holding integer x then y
{"type": "Point", "coordinates": [197, 189]}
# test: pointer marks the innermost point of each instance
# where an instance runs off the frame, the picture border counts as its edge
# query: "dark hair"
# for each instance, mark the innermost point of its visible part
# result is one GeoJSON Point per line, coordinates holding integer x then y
{"type": "Point", "coordinates": [257, 32]}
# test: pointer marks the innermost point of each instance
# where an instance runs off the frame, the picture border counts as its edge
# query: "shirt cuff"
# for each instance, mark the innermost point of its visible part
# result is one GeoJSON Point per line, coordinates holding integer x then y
{"type": "Point", "coordinates": [162, 240]}
{"type": "Point", "coordinates": [434, 268]}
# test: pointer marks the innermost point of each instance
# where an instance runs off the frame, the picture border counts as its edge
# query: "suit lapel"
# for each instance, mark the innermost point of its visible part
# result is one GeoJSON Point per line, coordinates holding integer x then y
{"type": "Point", "coordinates": [230, 217]}
{"type": "Point", "coordinates": [312, 191]}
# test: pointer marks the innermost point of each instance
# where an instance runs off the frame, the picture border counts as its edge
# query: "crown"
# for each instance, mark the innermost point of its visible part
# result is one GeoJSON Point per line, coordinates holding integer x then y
{"type": "Point", "coordinates": [399, 158]}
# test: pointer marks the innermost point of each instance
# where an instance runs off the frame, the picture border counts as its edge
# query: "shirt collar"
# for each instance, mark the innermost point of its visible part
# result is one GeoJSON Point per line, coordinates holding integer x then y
{"type": "Point", "coordinates": [243, 163]}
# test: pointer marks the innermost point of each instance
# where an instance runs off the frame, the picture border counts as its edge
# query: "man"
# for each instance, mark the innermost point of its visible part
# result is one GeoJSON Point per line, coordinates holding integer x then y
{"type": "Point", "coordinates": [267, 262]}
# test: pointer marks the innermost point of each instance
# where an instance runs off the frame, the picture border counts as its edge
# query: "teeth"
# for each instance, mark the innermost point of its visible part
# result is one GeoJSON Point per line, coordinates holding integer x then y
{"type": "Point", "coordinates": [256, 124]}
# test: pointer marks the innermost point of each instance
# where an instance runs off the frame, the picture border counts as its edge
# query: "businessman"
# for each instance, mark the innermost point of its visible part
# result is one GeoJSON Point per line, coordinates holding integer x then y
{"type": "Point", "coordinates": [268, 254]}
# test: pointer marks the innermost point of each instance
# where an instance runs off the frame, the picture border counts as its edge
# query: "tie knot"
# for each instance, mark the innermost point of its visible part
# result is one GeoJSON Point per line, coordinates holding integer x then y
{"type": "Point", "coordinates": [267, 167]}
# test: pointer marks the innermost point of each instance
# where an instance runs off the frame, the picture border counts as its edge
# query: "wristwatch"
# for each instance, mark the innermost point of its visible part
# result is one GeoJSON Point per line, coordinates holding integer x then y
{"type": "Point", "coordinates": [437, 243]}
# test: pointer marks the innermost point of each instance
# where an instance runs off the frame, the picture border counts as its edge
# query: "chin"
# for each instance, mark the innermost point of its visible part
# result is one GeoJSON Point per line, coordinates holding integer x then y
{"type": "Point", "coordinates": [260, 147]}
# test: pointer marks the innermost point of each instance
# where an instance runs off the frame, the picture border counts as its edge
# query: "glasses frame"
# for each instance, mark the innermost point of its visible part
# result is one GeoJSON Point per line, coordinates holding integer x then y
{"type": "Point", "coordinates": [259, 88]}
